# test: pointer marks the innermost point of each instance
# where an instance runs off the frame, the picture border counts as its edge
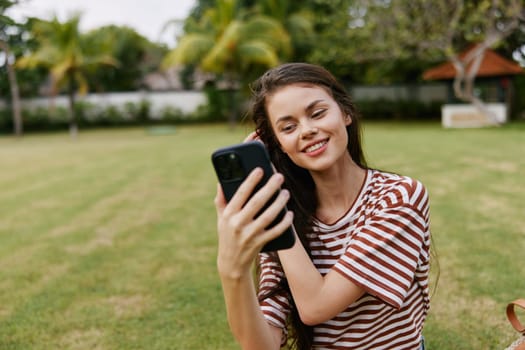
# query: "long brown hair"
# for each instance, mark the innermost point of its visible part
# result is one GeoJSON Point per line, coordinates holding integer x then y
{"type": "Point", "coordinates": [298, 180]}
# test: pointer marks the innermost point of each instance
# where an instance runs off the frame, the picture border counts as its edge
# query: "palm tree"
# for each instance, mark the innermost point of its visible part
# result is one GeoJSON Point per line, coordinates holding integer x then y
{"type": "Point", "coordinates": [11, 72]}
{"type": "Point", "coordinates": [233, 44]}
{"type": "Point", "coordinates": [297, 19]}
{"type": "Point", "coordinates": [68, 55]}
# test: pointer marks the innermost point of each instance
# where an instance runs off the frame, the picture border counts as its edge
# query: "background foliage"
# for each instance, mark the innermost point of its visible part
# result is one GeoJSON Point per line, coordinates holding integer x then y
{"type": "Point", "coordinates": [361, 42]}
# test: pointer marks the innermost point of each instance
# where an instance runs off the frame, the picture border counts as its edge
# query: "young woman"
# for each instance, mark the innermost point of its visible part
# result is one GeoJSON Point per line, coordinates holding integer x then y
{"type": "Point", "coordinates": [357, 276]}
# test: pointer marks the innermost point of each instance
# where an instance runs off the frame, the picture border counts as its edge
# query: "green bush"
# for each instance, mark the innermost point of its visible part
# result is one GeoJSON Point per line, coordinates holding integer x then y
{"type": "Point", "coordinates": [384, 109]}
{"type": "Point", "coordinates": [139, 112]}
{"type": "Point", "coordinates": [171, 114]}
{"type": "Point", "coordinates": [6, 119]}
{"type": "Point", "coordinates": [92, 115]}
{"type": "Point", "coordinates": [518, 105]}
{"type": "Point", "coordinates": [217, 106]}
{"type": "Point", "coordinates": [45, 118]}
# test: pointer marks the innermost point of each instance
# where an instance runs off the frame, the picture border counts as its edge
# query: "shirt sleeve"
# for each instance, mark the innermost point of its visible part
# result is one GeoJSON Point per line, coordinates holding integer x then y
{"type": "Point", "coordinates": [274, 302]}
{"type": "Point", "coordinates": [383, 255]}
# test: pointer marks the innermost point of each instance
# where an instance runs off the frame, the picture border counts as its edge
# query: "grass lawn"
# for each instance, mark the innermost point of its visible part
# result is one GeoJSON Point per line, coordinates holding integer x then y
{"type": "Point", "coordinates": [108, 241]}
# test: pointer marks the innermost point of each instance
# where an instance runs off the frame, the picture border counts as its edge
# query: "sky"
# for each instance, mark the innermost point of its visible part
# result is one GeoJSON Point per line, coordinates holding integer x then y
{"type": "Point", "coordinates": [146, 17]}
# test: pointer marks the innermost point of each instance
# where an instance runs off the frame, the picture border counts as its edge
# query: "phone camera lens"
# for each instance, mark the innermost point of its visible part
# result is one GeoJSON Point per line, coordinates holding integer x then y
{"type": "Point", "coordinates": [229, 167]}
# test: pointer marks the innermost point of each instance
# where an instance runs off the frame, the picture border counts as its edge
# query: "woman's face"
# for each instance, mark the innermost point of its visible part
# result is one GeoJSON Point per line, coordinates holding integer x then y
{"type": "Point", "coordinates": [309, 125]}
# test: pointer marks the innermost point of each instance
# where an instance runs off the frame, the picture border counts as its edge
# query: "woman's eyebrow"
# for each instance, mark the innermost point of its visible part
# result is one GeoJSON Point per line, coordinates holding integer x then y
{"type": "Point", "coordinates": [312, 105]}
{"type": "Point", "coordinates": [283, 119]}
{"type": "Point", "coordinates": [307, 109]}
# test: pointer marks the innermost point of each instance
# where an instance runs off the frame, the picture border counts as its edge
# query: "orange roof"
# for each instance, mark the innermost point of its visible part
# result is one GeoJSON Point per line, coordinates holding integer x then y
{"type": "Point", "coordinates": [491, 65]}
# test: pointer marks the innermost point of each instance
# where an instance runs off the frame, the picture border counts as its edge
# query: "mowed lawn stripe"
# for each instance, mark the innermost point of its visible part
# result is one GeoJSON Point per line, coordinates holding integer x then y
{"type": "Point", "coordinates": [115, 247]}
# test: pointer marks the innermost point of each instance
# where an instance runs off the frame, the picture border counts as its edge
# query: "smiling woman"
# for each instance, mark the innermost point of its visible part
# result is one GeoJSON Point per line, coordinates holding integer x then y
{"type": "Point", "coordinates": [306, 128]}
{"type": "Point", "coordinates": [357, 276]}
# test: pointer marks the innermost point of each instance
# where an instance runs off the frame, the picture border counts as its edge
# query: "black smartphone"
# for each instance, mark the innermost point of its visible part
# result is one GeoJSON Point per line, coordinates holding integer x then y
{"type": "Point", "coordinates": [233, 164]}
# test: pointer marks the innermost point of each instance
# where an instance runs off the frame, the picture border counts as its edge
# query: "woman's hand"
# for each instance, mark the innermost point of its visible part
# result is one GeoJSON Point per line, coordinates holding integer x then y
{"type": "Point", "coordinates": [241, 235]}
{"type": "Point", "coordinates": [253, 136]}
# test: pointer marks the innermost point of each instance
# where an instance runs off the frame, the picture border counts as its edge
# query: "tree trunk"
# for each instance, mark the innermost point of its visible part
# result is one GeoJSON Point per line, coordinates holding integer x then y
{"type": "Point", "coordinates": [231, 80]}
{"type": "Point", "coordinates": [500, 25]}
{"type": "Point", "coordinates": [464, 81]}
{"type": "Point", "coordinates": [73, 127]}
{"type": "Point", "coordinates": [15, 93]}
{"type": "Point", "coordinates": [232, 118]}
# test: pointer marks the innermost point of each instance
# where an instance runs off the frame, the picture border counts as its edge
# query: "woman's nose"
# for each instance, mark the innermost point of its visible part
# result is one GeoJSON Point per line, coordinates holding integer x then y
{"type": "Point", "coordinates": [309, 131]}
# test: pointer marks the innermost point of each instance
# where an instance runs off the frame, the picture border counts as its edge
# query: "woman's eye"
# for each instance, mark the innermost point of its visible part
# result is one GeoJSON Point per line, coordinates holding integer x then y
{"type": "Point", "coordinates": [288, 128]}
{"type": "Point", "coordinates": [318, 113]}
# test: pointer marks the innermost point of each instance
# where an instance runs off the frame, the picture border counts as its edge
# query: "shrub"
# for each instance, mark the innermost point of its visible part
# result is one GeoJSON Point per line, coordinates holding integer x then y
{"type": "Point", "coordinates": [384, 109]}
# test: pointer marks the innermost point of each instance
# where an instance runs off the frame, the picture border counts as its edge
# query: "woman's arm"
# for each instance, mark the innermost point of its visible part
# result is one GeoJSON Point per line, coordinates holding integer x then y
{"type": "Point", "coordinates": [240, 239]}
{"type": "Point", "coordinates": [318, 298]}
{"type": "Point", "coordinates": [245, 317]}
{"type": "Point", "coordinates": [385, 268]}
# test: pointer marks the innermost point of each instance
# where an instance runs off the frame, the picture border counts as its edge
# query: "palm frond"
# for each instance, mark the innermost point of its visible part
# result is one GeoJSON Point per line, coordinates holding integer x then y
{"type": "Point", "coordinates": [224, 50]}
{"type": "Point", "coordinates": [45, 57]}
{"type": "Point", "coordinates": [269, 30]}
{"type": "Point", "coordinates": [258, 52]}
{"type": "Point", "coordinates": [60, 69]}
{"type": "Point", "coordinates": [82, 84]}
{"type": "Point", "coordinates": [190, 50]}
{"type": "Point", "coordinates": [300, 25]}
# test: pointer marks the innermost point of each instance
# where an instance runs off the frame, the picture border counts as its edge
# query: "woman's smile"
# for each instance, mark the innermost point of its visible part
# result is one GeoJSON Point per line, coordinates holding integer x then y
{"type": "Point", "coordinates": [316, 148]}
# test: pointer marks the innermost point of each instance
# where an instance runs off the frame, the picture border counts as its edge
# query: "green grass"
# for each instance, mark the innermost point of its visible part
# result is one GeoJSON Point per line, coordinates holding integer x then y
{"type": "Point", "coordinates": [108, 241]}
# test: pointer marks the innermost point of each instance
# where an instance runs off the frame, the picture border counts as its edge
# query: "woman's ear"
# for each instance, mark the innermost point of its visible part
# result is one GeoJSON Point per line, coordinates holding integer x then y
{"type": "Point", "coordinates": [348, 120]}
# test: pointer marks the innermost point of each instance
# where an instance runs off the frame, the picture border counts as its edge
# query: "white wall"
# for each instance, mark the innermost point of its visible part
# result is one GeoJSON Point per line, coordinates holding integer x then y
{"type": "Point", "coordinates": [468, 116]}
{"type": "Point", "coordinates": [186, 101]}
{"type": "Point", "coordinates": [436, 92]}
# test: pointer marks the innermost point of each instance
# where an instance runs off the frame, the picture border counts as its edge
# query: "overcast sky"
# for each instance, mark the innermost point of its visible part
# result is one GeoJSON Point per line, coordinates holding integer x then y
{"type": "Point", "coordinates": [146, 17]}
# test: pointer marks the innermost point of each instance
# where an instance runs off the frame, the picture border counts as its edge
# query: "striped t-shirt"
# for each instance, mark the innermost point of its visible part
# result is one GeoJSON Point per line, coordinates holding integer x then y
{"type": "Point", "coordinates": [381, 244]}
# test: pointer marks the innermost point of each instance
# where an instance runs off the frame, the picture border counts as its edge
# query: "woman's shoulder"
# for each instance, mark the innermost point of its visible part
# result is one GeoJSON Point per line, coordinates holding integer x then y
{"type": "Point", "coordinates": [397, 189]}
{"type": "Point", "coordinates": [384, 178]}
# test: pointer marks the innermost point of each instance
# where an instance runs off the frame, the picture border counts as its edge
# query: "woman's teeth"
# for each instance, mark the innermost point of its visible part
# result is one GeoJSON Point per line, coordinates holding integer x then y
{"type": "Point", "coordinates": [315, 147]}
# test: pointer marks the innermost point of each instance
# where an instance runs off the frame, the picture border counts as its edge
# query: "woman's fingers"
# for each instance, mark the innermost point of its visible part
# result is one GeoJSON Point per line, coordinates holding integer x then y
{"type": "Point", "coordinates": [243, 219]}
{"type": "Point", "coordinates": [273, 210]}
{"type": "Point", "coordinates": [268, 216]}
{"type": "Point", "coordinates": [280, 227]}
{"type": "Point", "coordinates": [253, 136]}
{"type": "Point", "coordinates": [245, 190]}
{"type": "Point", "coordinates": [220, 200]}
{"type": "Point", "coordinates": [263, 195]}
{"type": "Point", "coordinates": [251, 206]}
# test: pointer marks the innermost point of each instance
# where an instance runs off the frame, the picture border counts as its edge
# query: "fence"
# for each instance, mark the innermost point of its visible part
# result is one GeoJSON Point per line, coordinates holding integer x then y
{"type": "Point", "coordinates": [185, 101]}
{"type": "Point", "coordinates": [427, 93]}
{"type": "Point", "coordinates": [188, 101]}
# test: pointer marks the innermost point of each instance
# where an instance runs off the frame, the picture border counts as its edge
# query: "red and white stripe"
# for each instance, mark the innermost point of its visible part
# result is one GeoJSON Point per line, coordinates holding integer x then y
{"type": "Point", "coordinates": [381, 244]}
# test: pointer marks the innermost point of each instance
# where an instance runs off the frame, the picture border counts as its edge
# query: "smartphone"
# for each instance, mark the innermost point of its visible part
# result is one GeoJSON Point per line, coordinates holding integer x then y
{"type": "Point", "coordinates": [232, 165]}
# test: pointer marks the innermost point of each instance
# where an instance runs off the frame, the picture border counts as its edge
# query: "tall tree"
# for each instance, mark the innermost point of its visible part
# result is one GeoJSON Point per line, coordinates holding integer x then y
{"type": "Point", "coordinates": [232, 43]}
{"type": "Point", "coordinates": [439, 29]}
{"type": "Point", "coordinates": [68, 55]}
{"type": "Point", "coordinates": [336, 44]}
{"type": "Point", "coordinates": [485, 23]}
{"type": "Point", "coordinates": [298, 20]}
{"type": "Point", "coordinates": [136, 54]}
{"type": "Point", "coordinates": [6, 24]}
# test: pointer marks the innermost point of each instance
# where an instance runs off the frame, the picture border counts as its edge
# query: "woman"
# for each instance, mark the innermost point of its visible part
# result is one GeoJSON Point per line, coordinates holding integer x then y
{"type": "Point", "coordinates": [357, 277]}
